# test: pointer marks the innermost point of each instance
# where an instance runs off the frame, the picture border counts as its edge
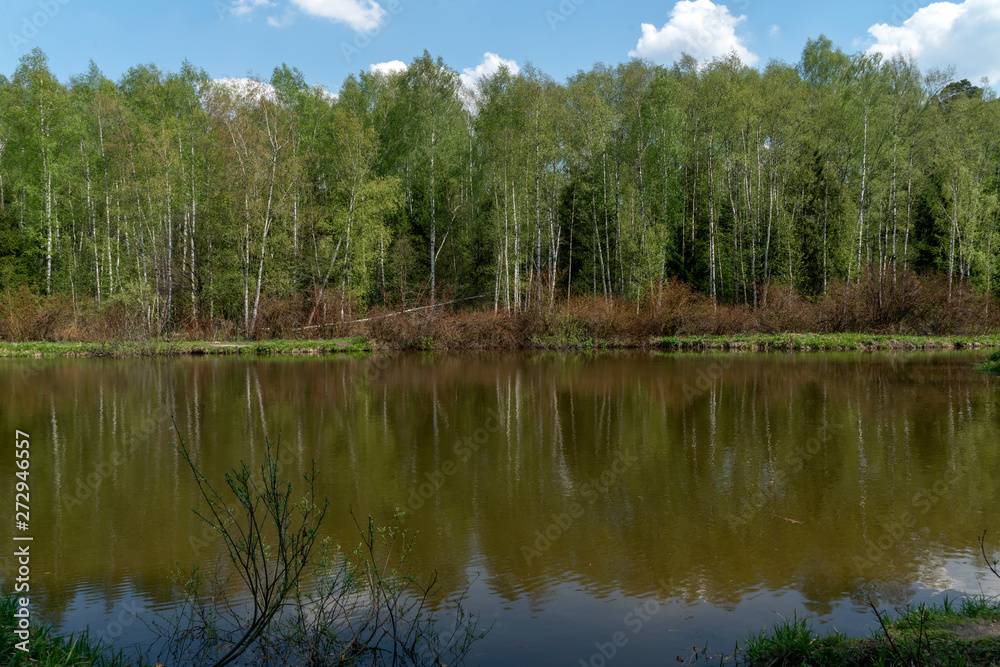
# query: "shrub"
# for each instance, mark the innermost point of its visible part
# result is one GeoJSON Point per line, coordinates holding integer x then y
{"type": "Point", "coordinates": [26, 316]}
{"type": "Point", "coordinates": [307, 604]}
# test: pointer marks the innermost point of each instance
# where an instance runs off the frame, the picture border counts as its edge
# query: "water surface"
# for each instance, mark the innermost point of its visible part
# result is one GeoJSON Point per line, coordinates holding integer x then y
{"type": "Point", "coordinates": [679, 499]}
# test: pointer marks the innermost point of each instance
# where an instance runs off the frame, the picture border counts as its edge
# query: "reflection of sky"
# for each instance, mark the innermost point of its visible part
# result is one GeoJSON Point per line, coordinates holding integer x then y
{"type": "Point", "coordinates": [576, 624]}
{"type": "Point", "coordinates": [960, 575]}
{"type": "Point", "coordinates": [117, 617]}
{"type": "Point", "coordinates": [571, 623]}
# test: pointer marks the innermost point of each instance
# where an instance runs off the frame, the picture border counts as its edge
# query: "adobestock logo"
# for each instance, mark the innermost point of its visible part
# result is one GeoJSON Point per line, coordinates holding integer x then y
{"type": "Point", "coordinates": [31, 26]}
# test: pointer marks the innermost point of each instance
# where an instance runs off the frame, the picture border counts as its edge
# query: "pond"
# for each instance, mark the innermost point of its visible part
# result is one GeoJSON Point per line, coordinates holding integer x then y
{"type": "Point", "coordinates": [633, 504]}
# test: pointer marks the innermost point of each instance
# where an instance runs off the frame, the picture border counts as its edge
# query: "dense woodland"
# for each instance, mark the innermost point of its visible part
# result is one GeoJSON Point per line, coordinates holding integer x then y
{"type": "Point", "coordinates": [192, 201]}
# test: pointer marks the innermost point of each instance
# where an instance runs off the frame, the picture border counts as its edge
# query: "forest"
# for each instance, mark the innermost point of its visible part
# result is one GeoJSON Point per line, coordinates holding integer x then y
{"type": "Point", "coordinates": [178, 203]}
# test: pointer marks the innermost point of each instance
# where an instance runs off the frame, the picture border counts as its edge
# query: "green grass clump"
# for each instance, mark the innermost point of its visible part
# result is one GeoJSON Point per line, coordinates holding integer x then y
{"type": "Point", "coordinates": [48, 648]}
{"type": "Point", "coordinates": [824, 342]}
{"type": "Point", "coordinates": [991, 365]}
{"type": "Point", "coordinates": [791, 642]}
{"type": "Point", "coordinates": [950, 633]}
{"type": "Point", "coordinates": [163, 348]}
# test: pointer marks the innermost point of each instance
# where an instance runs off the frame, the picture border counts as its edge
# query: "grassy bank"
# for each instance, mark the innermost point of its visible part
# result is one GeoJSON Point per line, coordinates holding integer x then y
{"type": "Point", "coordinates": [991, 365]}
{"type": "Point", "coordinates": [738, 343]}
{"type": "Point", "coordinates": [47, 648]}
{"type": "Point", "coordinates": [743, 343]}
{"type": "Point", "coordinates": [162, 348]}
{"type": "Point", "coordinates": [963, 632]}
{"type": "Point", "coordinates": [826, 342]}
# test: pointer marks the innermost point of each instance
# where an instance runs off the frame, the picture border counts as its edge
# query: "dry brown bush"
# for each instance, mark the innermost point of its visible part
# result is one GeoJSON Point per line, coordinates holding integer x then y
{"type": "Point", "coordinates": [591, 318]}
{"type": "Point", "coordinates": [664, 309]}
{"type": "Point", "coordinates": [965, 312]}
{"type": "Point", "coordinates": [277, 317]}
{"type": "Point", "coordinates": [786, 312]}
{"type": "Point", "coordinates": [907, 305]}
{"type": "Point", "coordinates": [328, 314]}
{"type": "Point", "coordinates": [25, 316]}
{"type": "Point", "coordinates": [487, 330]}
{"type": "Point", "coordinates": [120, 320]}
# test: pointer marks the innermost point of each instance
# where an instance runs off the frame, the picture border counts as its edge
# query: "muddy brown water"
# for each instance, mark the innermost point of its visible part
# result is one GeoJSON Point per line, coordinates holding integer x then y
{"type": "Point", "coordinates": [620, 507]}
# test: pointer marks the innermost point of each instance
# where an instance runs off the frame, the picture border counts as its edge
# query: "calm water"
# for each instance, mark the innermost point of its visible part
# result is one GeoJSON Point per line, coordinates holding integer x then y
{"type": "Point", "coordinates": [710, 491]}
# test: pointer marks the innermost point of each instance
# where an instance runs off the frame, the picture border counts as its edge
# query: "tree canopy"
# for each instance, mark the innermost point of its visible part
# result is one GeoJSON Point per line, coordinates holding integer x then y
{"type": "Point", "coordinates": [194, 199]}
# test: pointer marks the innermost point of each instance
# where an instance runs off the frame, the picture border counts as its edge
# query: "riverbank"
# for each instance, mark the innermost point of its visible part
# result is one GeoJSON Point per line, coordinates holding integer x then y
{"type": "Point", "coordinates": [991, 365]}
{"type": "Point", "coordinates": [826, 342]}
{"type": "Point", "coordinates": [164, 348]}
{"type": "Point", "coordinates": [44, 647]}
{"type": "Point", "coordinates": [954, 632]}
{"type": "Point", "coordinates": [742, 343]}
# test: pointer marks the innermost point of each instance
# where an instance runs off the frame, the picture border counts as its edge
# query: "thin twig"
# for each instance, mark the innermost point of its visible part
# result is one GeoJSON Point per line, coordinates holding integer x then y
{"type": "Point", "coordinates": [387, 315]}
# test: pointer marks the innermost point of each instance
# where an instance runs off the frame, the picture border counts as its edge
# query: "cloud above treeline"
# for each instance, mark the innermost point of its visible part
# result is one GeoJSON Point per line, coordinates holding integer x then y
{"type": "Point", "coordinates": [491, 65]}
{"type": "Point", "coordinates": [387, 68]}
{"type": "Point", "coordinates": [470, 76]}
{"type": "Point", "coordinates": [699, 28]}
{"type": "Point", "coordinates": [946, 33]}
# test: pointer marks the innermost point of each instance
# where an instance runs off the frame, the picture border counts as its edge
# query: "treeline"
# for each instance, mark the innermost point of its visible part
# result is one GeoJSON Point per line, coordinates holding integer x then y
{"type": "Point", "coordinates": [186, 202]}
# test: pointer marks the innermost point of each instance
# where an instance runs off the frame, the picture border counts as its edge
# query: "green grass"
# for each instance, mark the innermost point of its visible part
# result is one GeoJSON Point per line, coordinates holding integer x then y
{"type": "Point", "coordinates": [951, 633]}
{"type": "Point", "coordinates": [47, 648]}
{"type": "Point", "coordinates": [825, 342]}
{"type": "Point", "coordinates": [991, 365]}
{"type": "Point", "coordinates": [568, 339]}
{"type": "Point", "coordinates": [119, 349]}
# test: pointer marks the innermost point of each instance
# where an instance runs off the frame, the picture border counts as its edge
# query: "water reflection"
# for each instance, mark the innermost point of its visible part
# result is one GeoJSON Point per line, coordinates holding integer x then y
{"type": "Point", "coordinates": [709, 482]}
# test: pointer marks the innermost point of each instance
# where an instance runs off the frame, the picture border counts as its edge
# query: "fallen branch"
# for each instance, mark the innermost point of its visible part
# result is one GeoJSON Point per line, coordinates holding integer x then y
{"type": "Point", "coordinates": [380, 317]}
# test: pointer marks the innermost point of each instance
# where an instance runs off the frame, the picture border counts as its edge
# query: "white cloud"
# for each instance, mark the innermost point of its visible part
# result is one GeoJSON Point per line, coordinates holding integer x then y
{"type": "Point", "coordinates": [774, 31]}
{"type": "Point", "coordinates": [388, 68]}
{"type": "Point", "coordinates": [700, 28]}
{"type": "Point", "coordinates": [282, 22]}
{"type": "Point", "coordinates": [251, 89]}
{"type": "Point", "coordinates": [947, 33]}
{"type": "Point", "coordinates": [244, 7]}
{"type": "Point", "coordinates": [491, 65]}
{"type": "Point", "coordinates": [361, 15]}
{"type": "Point", "coordinates": [470, 77]}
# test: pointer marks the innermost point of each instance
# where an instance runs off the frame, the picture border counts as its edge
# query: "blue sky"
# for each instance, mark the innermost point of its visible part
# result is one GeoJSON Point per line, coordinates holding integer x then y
{"type": "Point", "coordinates": [329, 39]}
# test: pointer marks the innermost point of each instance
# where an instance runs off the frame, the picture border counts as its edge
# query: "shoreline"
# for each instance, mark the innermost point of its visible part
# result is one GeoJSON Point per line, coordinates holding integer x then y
{"type": "Point", "coordinates": [840, 342]}
{"type": "Point", "coordinates": [965, 630]}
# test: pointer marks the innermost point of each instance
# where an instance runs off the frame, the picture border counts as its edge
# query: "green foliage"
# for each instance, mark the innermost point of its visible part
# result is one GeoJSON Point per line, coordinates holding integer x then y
{"type": "Point", "coordinates": [201, 202]}
{"type": "Point", "coordinates": [921, 635]}
{"type": "Point", "coordinates": [306, 602]}
{"type": "Point", "coordinates": [942, 634]}
{"type": "Point", "coordinates": [269, 540]}
{"type": "Point", "coordinates": [789, 642]}
{"type": "Point", "coordinates": [991, 365]}
{"type": "Point", "coordinates": [47, 648]}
